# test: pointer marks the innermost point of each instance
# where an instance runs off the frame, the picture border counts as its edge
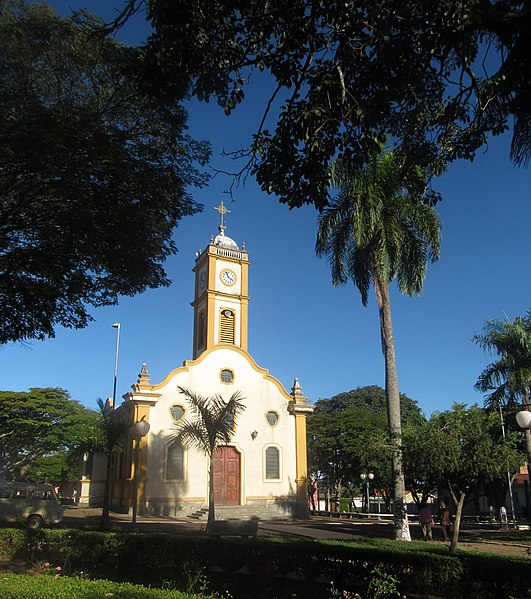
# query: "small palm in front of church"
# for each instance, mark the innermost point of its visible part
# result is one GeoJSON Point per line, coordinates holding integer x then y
{"type": "Point", "coordinates": [212, 425]}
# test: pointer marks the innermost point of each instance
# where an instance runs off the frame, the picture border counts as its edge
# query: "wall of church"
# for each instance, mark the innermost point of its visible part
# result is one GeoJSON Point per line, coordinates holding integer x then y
{"type": "Point", "coordinates": [254, 434]}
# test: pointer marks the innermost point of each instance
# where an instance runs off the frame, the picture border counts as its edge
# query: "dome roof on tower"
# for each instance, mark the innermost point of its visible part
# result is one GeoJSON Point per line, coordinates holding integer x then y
{"type": "Point", "coordinates": [223, 241]}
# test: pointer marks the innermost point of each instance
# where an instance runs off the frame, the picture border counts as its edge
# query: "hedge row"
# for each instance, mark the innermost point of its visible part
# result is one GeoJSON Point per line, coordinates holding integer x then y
{"type": "Point", "coordinates": [19, 586]}
{"type": "Point", "coordinates": [257, 565]}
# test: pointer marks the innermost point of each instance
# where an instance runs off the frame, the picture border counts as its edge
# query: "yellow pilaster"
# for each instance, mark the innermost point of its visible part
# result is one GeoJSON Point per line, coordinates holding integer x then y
{"type": "Point", "coordinates": [300, 409]}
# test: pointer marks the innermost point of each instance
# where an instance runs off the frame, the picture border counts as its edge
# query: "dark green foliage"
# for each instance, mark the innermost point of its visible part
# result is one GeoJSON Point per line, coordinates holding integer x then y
{"type": "Point", "coordinates": [437, 76]}
{"type": "Point", "coordinates": [371, 397]}
{"type": "Point", "coordinates": [156, 557]}
{"type": "Point", "coordinates": [36, 426]}
{"type": "Point", "coordinates": [347, 435]}
{"type": "Point", "coordinates": [17, 586]}
{"type": "Point", "coordinates": [94, 173]}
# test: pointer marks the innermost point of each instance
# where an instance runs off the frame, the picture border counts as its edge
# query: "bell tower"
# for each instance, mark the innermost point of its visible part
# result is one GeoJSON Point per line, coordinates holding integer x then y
{"type": "Point", "coordinates": [221, 293]}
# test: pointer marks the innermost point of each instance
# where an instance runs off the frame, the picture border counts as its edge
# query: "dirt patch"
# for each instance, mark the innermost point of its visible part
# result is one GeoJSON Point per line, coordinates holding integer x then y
{"type": "Point", "coordinates": [512, 549]}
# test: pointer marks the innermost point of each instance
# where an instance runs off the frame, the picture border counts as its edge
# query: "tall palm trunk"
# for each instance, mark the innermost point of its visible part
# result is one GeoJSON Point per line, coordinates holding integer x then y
{"type": "Point", "coordinates": [392, 394]}
{"type": "Point", "coordinates": [211, 508]}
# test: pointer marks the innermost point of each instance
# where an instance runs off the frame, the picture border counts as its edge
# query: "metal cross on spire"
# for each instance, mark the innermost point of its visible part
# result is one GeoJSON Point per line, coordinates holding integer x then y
{"type": "Point", "coordinates": [222, 211]}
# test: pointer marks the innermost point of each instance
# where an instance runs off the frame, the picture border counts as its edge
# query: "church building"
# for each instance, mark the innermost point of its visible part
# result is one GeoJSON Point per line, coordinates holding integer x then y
{"type": "Point", "coordinates": [262, 472]}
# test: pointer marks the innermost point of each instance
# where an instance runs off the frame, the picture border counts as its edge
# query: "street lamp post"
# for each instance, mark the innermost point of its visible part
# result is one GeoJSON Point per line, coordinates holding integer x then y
{"type": "Point", "coordinates": [523, 419]}
{"type": "Point", "coordinates": [116, 325]}
{"type": "Point", "coordinates": [138, 430]}
{"type": "Point", "coordinates": [366, 479]}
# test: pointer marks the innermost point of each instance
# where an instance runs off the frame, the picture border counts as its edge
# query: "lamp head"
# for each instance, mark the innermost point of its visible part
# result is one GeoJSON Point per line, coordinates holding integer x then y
{"type": "Point", "coordinates": [523, 419]}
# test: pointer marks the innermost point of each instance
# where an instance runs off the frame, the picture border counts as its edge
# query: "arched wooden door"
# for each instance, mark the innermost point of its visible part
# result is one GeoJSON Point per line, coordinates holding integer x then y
{"type": "Point", "coordinates": [226, 476]}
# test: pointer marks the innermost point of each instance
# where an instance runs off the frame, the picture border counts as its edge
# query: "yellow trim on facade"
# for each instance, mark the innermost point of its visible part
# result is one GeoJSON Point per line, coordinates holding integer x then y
{"type": "Point", "coordinates": [189, 363]}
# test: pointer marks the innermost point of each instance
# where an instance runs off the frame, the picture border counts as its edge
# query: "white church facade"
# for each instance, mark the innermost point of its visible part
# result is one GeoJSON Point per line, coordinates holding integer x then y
{"type": "Point", "coordinates": [263, 470]}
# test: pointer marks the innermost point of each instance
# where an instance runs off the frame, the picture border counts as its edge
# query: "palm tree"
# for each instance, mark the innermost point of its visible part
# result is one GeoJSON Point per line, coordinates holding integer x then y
{"type": "Point", "coordinates": [508, 379]}
{"type": "Point", "coordinates": [106, 437]}
{"type": "Point", "coordinates": [373, 231]}
{"type": "Point", "coordinates": [213, 426]}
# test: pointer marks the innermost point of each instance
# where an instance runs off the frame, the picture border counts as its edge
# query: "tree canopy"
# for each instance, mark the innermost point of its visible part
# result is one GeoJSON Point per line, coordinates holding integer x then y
{"type": "Point", "coordinates": [371, 397]}
{"type": "Point", "coordinates": [437, 76]}
{"type": "Point", "coordinates": [94, 174]}
{"type": "Point", "coordinates": [37, 424]}
{"type": "Point", "coordinates": [470, 449]}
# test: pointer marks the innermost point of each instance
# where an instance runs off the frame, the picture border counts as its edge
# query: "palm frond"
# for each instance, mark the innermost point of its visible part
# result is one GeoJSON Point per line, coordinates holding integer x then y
{"type": "Point", "coordinates": [213, 420]}
{"type": "Point", "coordinates": [373, 229]}
{"type": "Point", "coordinates": [509, 377]}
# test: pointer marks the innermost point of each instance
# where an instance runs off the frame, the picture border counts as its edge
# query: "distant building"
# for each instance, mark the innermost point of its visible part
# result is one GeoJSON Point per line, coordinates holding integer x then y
{"type": "Point", "coordinates": [264, 468]}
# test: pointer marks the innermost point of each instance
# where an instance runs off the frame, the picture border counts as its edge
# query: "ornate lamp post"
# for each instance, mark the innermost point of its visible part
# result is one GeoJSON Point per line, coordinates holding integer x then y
{"type": "Point", "coordinates": [366, 479]}
{"type": "Point", "coordinates": [138, 430]}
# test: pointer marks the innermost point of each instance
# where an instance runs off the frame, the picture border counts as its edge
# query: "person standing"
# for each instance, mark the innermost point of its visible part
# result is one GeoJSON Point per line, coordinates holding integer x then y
{"type": "Point", "coordinates": [444, 516]}
{"type": "Point", "coordinates": [426, 522]}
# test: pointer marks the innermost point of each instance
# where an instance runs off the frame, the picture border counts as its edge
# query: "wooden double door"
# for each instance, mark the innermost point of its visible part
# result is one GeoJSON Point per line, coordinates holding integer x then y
{"type": "Point", "coordinates": [227, 475]}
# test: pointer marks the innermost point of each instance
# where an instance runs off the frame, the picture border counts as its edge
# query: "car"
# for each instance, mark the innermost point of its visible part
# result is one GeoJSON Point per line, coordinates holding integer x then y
{"type": "Point", "coordinates": [33, 505]}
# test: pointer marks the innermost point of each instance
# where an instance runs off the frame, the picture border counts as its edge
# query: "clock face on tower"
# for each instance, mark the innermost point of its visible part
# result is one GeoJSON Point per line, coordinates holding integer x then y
{"type": "Point", "coordinates": [202, 280]}
{"type": "Point", "coordinates": [227, 277]}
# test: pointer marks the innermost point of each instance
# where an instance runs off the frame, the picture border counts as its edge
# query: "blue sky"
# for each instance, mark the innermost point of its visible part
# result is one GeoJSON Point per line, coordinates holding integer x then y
{"type": "Point", "coordinates": [299, 325]}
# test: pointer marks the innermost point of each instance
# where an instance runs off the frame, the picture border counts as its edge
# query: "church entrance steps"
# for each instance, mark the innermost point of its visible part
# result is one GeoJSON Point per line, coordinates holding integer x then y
{"type": "Point", "coordinates": [200, 514]}
{"type": "Point", "coordinates": [243, 512]}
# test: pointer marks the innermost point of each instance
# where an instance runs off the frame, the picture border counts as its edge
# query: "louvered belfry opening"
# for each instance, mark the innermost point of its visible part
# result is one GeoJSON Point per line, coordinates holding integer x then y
{"type": "Point", "coordinates": [201, 336]}
{"type": "Point", "coordinates": [226, 327]}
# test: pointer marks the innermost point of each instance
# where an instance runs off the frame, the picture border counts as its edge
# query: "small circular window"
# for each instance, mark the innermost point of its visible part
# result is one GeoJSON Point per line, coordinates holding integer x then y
{"type": "Point", "coordinates": [227, 376]}
{"type": "Point", "coordinates": [272, 418]}
{"type": "Point", "coordinates": [177, 412]}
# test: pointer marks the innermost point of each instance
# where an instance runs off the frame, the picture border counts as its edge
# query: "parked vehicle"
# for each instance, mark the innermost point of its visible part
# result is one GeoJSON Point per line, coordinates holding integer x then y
{"type": "Point", "coordinates": [32, 505]}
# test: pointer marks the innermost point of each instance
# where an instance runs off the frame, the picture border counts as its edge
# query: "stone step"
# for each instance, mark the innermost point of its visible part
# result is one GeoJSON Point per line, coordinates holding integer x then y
{"type": "Point", "coordinates": [240, 512]}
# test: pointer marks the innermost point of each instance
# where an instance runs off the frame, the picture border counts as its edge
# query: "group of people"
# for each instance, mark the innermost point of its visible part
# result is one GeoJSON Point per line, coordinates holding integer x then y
{"type": "Point", "coordinates": [426, 522]}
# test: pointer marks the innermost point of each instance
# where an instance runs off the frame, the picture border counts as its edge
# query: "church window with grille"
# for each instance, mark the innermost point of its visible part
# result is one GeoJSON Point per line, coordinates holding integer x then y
{"type": "Point", "coordinates": [226, 327]}
{"type": "Point", "coordinates": [177, 412]}
{"type": "Point", "coordinates": [174, 461]}
{"type": "Point", "coordinates": [227, 376]}
{"type": "Point", "coordinates": [272, 463]}
{"type": "Point", "coordinates": [272, 418]}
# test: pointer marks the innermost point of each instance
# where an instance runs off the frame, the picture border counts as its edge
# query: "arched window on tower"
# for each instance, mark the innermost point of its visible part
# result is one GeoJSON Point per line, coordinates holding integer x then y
{"type": "Point", "coordinates": [226, 326]}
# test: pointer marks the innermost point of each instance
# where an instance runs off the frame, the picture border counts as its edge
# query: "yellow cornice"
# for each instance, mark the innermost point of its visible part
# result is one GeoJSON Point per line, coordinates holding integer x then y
{"type": "Point", "coordinates": [189, 363]}
{"type": "Point", "coordinates": [215, 293]}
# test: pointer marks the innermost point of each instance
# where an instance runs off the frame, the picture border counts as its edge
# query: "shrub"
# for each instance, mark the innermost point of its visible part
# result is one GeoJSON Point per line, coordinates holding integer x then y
{"type": "Point", "coordinates": [154, 558]}
{"type": "Point", "coordinates": [18, 586]}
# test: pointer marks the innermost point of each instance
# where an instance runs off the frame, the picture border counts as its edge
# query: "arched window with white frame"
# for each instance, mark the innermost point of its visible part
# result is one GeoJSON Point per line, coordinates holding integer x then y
{"type": "Point", "coordinates": [272, 463]}
{"type": "Point", "coordinates": [174, 463]}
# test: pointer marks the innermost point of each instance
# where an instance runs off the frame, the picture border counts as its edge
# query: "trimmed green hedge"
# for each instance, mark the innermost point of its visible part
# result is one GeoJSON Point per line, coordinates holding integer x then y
{"type": "Point", "coordinates": [19, 586]}
{"type": "Point", "coordinates": [256, 567]}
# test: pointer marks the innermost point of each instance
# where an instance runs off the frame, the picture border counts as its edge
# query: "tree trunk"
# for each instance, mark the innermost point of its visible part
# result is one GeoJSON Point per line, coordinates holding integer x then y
{"type": "Point", "coordinates": [457, 523]}
{"type": "Point", "coordinates": [392, 394]}
{"type": "Point", "coordinates": [105, 522]}
{"type": "Point", "coordinates": [211, 509]}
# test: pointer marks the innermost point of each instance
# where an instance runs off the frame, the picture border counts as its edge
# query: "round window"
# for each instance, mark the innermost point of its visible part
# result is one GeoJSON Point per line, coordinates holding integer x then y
{"type": "Point", "coordinates": [227, 376]}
